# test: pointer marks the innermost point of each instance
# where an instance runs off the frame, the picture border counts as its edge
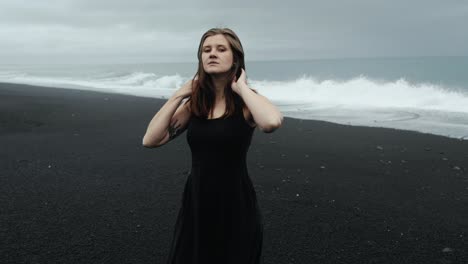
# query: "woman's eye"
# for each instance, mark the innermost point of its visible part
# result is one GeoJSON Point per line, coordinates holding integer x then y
{"type": "Point", "coordinates": [221, 50]}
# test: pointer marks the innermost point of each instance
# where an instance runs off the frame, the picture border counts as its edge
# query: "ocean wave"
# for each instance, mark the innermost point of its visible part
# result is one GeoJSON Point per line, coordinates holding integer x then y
{"type": "Point", "coordinates": [135, 83]}
{"type": "Point", "coordinates": [363, 92]}
{"type": "Point", "coordinates": [359, 92]}
{"type": "Point", "coordinates": [423, 107]}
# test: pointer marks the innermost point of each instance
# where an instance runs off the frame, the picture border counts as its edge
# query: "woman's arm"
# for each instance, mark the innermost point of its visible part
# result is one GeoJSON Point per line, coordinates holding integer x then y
{"type": "Point", "coordinates": [265, 114]}
{"type": "Point", "coordinates": [170, 121]}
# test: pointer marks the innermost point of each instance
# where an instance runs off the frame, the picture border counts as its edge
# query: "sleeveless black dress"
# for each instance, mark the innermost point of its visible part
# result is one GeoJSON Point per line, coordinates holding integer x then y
{"type": "Point", "coordinates": [219, 220]}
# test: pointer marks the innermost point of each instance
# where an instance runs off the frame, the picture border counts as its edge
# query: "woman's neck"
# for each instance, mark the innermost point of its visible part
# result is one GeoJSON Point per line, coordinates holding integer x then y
{"type": "Point", "coordinates": [219, 84]}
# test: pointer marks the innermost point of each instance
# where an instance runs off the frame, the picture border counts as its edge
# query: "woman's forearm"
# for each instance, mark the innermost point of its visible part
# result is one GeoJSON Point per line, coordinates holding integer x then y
{"type": "Point", "coordinates": [158, 126]}
{"type": "Point", "coordinates": [266, 115]}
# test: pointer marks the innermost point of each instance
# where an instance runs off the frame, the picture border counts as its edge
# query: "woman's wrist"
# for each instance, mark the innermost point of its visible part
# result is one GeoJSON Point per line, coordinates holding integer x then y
{"type": "Point", "coordinates": [242, 87]}
{"type": "Point", "coordinates": [177, 96]}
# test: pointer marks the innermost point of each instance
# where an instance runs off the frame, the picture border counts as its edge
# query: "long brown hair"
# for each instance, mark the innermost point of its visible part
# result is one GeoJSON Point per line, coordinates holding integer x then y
{"type": "Point", "coordinates": [203, 92]}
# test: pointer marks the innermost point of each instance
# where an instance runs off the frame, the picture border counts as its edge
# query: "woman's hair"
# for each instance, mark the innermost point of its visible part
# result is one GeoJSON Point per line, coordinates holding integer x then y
{"type": "Point", "coordinates": [203, 92]}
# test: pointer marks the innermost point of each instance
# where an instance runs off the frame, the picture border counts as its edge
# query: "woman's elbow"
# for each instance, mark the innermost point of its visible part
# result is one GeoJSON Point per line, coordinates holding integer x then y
{"type": "Point", "coordinates": [148, 144]}
{"type": "Point", "coordinates": [272, 126]}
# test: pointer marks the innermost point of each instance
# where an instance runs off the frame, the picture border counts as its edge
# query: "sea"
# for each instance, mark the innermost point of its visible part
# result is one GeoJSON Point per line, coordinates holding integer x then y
{"type": "Point", "coordinates": [424, 94]}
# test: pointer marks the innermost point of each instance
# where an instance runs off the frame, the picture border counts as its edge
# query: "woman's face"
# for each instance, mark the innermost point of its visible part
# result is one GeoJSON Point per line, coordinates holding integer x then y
{"type": "Point", "coordinates": [216, 55]}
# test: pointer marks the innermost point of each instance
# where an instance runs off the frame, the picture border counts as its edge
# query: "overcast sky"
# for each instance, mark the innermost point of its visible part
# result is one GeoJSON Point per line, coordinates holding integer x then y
{"type": "Point", "coordinates": [156, 31]}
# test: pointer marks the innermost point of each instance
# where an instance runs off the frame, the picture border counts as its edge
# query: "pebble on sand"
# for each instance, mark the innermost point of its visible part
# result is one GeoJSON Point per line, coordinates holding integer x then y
{"type": "Point", "coordinates": [447, 249]}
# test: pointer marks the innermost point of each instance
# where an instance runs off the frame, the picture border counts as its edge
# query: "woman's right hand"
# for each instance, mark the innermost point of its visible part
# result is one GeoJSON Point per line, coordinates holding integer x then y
{"type": "Point", "coordinates": [186, 89]}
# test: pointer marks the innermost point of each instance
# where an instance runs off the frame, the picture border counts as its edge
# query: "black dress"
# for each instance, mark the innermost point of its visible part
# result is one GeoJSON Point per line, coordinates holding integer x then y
{"type": "Point", "coordinates": [219, 220]}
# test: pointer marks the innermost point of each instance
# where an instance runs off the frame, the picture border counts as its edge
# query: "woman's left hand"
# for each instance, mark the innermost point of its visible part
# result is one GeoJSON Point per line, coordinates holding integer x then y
{"type": "Point", "coordinates": [236, 84]}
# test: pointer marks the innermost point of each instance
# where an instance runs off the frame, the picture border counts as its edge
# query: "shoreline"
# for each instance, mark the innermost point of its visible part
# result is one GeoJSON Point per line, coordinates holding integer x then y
{"type": "Point", "coordinates": [77, 186]}
{"type": "Point", "coordinates": [87, 89]}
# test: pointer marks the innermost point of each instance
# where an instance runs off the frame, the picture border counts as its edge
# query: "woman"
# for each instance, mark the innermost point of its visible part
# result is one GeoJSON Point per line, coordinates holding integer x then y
{"type": "Point", "coordinates": [219, 220]}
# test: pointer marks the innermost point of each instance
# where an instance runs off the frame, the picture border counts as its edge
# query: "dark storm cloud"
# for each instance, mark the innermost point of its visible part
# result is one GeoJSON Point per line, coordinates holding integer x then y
{"type": "Point", "coordinates": [157, 31]}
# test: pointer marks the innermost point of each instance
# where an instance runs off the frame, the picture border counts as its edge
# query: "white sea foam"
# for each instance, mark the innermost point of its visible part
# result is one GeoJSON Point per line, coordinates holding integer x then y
{"type": "Point", "coordinates": [423, 107]}
{"type": "Point", "coordinates": [137, 83]}
{"type": "Point", "coordinates": [362, 92]}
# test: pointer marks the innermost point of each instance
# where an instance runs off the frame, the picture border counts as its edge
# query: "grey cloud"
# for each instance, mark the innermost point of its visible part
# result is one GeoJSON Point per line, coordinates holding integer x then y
{"type": "Point", "coordinates": [268, 29]}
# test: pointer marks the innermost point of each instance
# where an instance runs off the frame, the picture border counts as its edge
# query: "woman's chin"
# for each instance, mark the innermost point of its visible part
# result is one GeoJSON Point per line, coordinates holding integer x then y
{"type": "Point", "coordinates": [217, 73]}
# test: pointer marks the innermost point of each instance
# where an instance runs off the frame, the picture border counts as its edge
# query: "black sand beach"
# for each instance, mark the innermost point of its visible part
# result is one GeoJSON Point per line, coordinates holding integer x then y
{"type": "Point", "coordinates": [77, 186]}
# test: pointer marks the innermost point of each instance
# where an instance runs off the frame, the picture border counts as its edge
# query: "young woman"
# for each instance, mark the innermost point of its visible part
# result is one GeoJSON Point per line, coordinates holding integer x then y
{"type": "Point", "coordinates": [219, 220]}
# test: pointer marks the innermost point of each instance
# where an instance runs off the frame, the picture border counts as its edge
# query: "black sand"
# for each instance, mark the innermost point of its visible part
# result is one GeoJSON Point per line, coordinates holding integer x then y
{"type": "Point", "coordinates": [77, 186]}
